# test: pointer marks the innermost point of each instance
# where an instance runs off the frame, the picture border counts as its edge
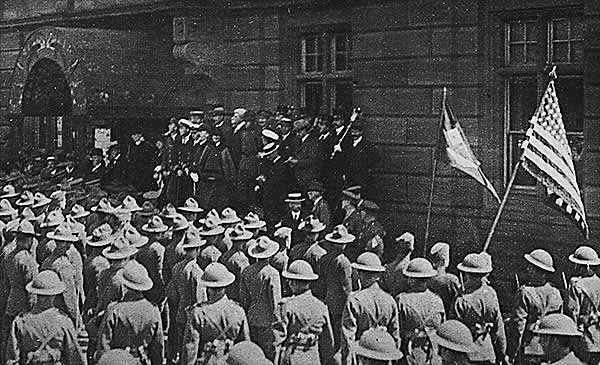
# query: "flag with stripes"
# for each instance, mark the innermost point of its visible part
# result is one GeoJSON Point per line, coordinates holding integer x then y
{"type": "Point", "coordinates": [459, 151]}
{"type": "Point", "coordinates": [548, 158]}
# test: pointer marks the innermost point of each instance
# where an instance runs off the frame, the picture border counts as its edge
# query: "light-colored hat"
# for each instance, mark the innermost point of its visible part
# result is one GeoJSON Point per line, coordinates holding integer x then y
{"type": "Point", "coordinates": [246, 353]}
{"type": "Point", "coordinates": [419, 268]}
{"type": "Point", "coordinates": [155, 225]}
{"type": "Point", "coordinates": [540, 258]}
{"type": "Point", "coordinates": [103, 206]}
{"type": "Point", "coordinates": [134, 237]}
{"type": "Point", "coordinates": [270, 135]}
{"type": "Point", "coordinates": [101, 236]}
{"type": "Point", "coordinates": [284, 234]}
{"type": "Point", "coordinates": [440, 252]}
{"type": "Point", "coordinates": [6, 209]}
{"type": "Point", "coordinates": [216, 275]}
{"type": "Point", "coordinates": [210, 227]}
{"type": "Point", "coordinates": [585, 255]}
{"type": "Point", "coordinates": [268, 149]}
{"type": "Point", "coordinates": [191, 206]}
{"type": "Point", "coordinates": [475, 263]}
{"type": "Point", "coordinates": [63, 233]}
{"type": "Point", "coordinates": [23, 226]}
{"type": "Point", "coordinates": [129, 205]}
{"type": "Point", "coordinates": [117, 356]}
{"type": "Point", "coordinates": [135, 276]}
{"type": "Point", "coordinates": [377, 344]}
{"type": "Point", "coordinates": [300, 270]}
{"type": "Point", "coordinates": [185, 122]}
{"type": "Point", "coordinates": [46, 282]}
{"type": "Point", "coordinates": [262, 248]}
{"type": "Point", "coordinates": [28, 214]}
{"type": "Point", "coordinates": [311, 224]}
{"type": "Point", "coordinates": [253, 221]}
{"type": "Point", "coordinates": [368, 261]}
{"type": "Point", "coordinates": [53, 219]}
{"type": "Point", "coordinates": [239, 233]}
{"type": "Point", "coordinates": [148, 209]}
{"type": "Point", "coordinates": [294, 197]}
{"type": "Point", "coordinates": [179, 223]}
{"type": "Point", "coordinates": [229, 216]}
{"type": "Point", "coordinates": [8, 191]}
{"type": "Point", "coordinates": [340, 235]}
{"type": "Point", "coordinates": [406, 239]}
{"type": "Point", "coordinates": [78, 211]}
{"type": "Point", "coordinates": [40, 200]}
{"type": "Point", "coordinates": [454, 335]}
{"type": "Point", "coordinates": [26, 199]}
{"type": "Point", "coordinates": [192, 239]}
{"type": "Point", "coordinates": [119, 249]}
{"type": "Point", "coordinates": [169, 211]}
{"type": "Point", "coordinates": [557, 324]}
{"type": "Point", "coordinates": [58, 195]}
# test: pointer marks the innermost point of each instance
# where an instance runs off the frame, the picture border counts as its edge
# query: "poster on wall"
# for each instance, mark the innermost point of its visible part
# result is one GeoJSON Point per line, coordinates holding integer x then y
{"type": "Point", "coordinates": [102, 138]}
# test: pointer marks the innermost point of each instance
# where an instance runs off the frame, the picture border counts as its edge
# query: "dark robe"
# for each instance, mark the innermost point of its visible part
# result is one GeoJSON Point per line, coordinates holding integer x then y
{"type": "Point", "coordinates": [142, 159]}
{"type": "Point", "coordinates": [206, 162]}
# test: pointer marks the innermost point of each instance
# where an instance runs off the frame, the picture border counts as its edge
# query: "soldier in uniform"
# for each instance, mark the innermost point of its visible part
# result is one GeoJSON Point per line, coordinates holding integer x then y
{"type": "Point", "coordinates": [557, 334]}
{"type": "Point", "coordinates": [43, 335]}
{"type": "Point", "coordinates": [235, 258]}
{"type": "Point", "coordinates": [302, 327]}
{"type": "Point", "coordinates": [245, 146]}
{"type": "Point", "coordinates": [454, 342]}
{"type": "Point", "coordinates": [369, 307]}
{"type": "Point", "coordinates": [260, 293]}
{"type": "Point", "coordinates": [420, 313]}
{"type": "Point", "coordinates": [376, 347]}
{"type": "Point", "coordinates": [583, 302]}
{"type": "Point", "coordinates": [394, 281]}
{"type": "Point", "coordinates": [151, 254]}
{"type": "Point", "coordinates": [93, 265]}
{"type": "Point", "coordinates": [133, 323]}
{"type": "Point", "coordinates": [478, 308]}
{"type": "Point", "coordinates": [444, 284]}
{"type": "Point", "coordinates": [214, 326]}
{"type": "Point", "coordinates": [173, 251]}
{"type": "Point", "coordinates": [311, 228]}
{"type": "Point", "coordinates": [246, 353]}
{"type": "Point", "coordinates": [532, 302]}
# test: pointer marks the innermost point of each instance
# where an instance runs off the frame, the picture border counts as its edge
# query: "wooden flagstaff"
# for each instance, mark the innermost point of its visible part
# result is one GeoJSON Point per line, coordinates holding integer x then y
{"type": "Point", "coordinates": [433, 170]}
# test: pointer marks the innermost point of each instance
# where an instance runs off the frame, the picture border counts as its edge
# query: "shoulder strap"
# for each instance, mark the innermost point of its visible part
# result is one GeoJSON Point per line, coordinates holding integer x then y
{"type": "Point", "coordinates": [46, 340]}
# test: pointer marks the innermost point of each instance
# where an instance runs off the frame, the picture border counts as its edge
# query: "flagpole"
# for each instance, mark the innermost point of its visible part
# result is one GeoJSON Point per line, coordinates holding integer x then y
{"type": "Point", "coordinates": [433, 169]}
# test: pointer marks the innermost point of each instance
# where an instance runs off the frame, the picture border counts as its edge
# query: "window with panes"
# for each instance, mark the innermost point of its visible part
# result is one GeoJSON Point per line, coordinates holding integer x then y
{"type": "Point", "coordinates": [324, 76]}
{"type": "Point", "coordinates": [531, 47]}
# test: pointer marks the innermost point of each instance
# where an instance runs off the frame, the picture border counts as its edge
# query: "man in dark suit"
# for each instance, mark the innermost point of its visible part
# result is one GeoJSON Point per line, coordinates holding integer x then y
{"type": "Point", "coordinates": [273, 183]}
{"type": "Point", "coordinates": [222, 125]}
{"type": "Point", "coordinates": [205, 168]}
{"type": "Point", "coordinates": [334, 146]}
{"type": "Point", "coordinates": [96, 169]}
{"type": "Point", "coordinates": [142, 159]}
{"type": "Point", "coordinates": [305, 161]}
{"type": "Point", "coordinates": [320, 207]}
{"type": "Point", "coordinates": [362, 158]}
{"type": "Point", "coordinates": [116, 169]}
{"type": "Point", "coordinates": [245, 146]}
{"type": "Point", "coordinates": [294, 215]}
{"type": "Point", "coordinates": [180, 185]}
{"type": "Point", "coordinates": [288, 140]}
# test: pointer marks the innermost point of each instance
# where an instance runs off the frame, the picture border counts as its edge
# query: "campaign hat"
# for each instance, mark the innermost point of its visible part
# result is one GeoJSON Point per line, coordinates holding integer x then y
{"type": "Point", "coordinates": [9, 191]}
{"type": "Point", "coordinates": [300, 270]}
{"type": "Point", "coordinates": [191, 205]}
{"type": "Point", "coordinates": [210, 227]}
{"type": "Point", "coordinates": [239, 233]}
{"type": "Point", "coordinates": [119, 248]}
{"type": "Point", "coordinates": [368, 261]}
{"type": "Point", "coordinates": [26, 199]}
{"type": "Point", "coordinates": [155, 225]}
{"type": "Point", "coordinates": [253, 221]}
{"type": "Point", "coordinates": [179, 223]}
{"type": "Point", "coordinates": [40, 200]}
{"type": "Point", "coordinates": [263, 247]}
{"type": "Point", "coordinates": [78, 211]}
{"type": "Point", "coordinates": [169, 211]}
{"type": "Point", "coordinates": [229, 216]}
{"type": "Point", "coordinates": [46, 282]}
{"type": "Point", "coordinates": [311, 224]}
{"type": "Point", "coordinates": [101, 236]}
{"type": "Point", "coordinates": [216, 275]}
{"type": "Point", "coordinates": [53, 219]}
{"type": "Point", "coordinates": [340, 235]}
{"type": "Point", "coordinates": [6, 209]}
{"type": "Point", "coordinates": [63, 233]}
{"type": "Point", "coordinates": [135, 276]}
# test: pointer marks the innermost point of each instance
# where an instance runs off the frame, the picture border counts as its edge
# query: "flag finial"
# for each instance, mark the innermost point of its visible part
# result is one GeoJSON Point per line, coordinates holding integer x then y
{"type": "Point", "coordinates": [552, 73]}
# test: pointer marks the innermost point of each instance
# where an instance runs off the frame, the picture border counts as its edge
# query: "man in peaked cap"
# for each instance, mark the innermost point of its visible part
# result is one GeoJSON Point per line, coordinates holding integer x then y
{"type": "Point", "coordinates": [478, 309]}
{"type": "Point", "coordinates": [44, 334]}
{"type": "Point", "coordinates": [370, 307]}
{"type": "Point", "coordinates": [533, 301]}
{"type": "Point", "coordinates": [558, 334]}
{"type": "Point", "coordinates": [444, 284]}
{"type": "Point", "coordinates": [260, 292]}
{"type": "Point", "coordinates": [302, 327]}
{"type": "Point", "coordinates": [235, 259]}
{"type": "Point", "coordinates": [394, 281]}
{"type": "Point", "coordinates": [376, 347]}
{"type": "Point", "coordinates": [454, 343]}
{"type": "Point", "coordinates": [214, 326]}
{"type": "Point", "coordinates": [583, 301]}
{"type": "Point", "coordinates": [133, 323]}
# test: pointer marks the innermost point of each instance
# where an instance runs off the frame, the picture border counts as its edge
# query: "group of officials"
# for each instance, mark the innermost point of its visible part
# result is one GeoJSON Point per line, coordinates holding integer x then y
{"type": "Point", "coordinates": [251, 264]}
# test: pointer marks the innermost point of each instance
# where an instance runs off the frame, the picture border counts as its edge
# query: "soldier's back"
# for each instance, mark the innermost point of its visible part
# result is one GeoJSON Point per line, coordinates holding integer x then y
{"type": "Point", "coordinates": [20, 268]}
{"type": "Point", "coordinates": [447, 287]}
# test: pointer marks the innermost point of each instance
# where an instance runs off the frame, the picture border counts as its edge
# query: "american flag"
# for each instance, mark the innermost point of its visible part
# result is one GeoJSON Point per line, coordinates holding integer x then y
{"type": "Point", "coordinates": [548, 158]}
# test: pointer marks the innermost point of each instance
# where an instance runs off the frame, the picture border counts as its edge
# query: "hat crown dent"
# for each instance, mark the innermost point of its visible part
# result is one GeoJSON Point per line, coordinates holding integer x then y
{"type": "Point", "coordinates": [179, 222]}
{"type": "Point", "coordinates": [239, 231]}
{"type": "Point", "coordinates": [191, 203]}
{"type": "Point", "coordinates": [25, 226]}
{"type": "Point", "coordinates": [155, 222]}
{"type": "Point", "coordinates": [101, 232]}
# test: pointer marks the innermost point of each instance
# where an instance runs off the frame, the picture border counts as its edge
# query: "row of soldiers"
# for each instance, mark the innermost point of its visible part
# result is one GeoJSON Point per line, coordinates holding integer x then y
{"type": "Point", "coordinates": [212, 287]}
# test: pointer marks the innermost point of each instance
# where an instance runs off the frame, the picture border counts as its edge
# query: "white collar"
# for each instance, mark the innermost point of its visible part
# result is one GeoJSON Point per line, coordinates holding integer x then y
{"type": "Point", "coordinates": [276, 159]}
{"type": "Point", "coordinates": [339, 129]}
{"type": "Point", "coordinates": [218, 144]}
{"type": "Point", "coordinates": [286, 135]}
{"type": "Point", "coordinates": [96, 167]}
{"type": "Point", "coordinates": [185, 139]}
{"type": "Point", "coordinates": [238, 127]}
{"type": "Point", "coordinates": [317, 200]}
{"type": "Point", "coordinates": [220, 124]}
{"type": "Point", "coordinates": [305, 138]}
{"type": "Point", "coordinates": [357, 141]}
{"type": "Point", "coordinates": [296, 215]}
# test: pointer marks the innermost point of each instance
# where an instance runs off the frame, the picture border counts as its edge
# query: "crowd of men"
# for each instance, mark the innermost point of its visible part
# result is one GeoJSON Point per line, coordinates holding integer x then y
{"type": "Point", "coordinates": [238, 249]}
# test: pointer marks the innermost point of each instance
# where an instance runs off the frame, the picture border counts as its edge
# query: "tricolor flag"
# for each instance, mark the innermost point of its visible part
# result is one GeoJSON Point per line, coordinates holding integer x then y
{"type": "Point", "coordinates": [459, 152]}
{"type": "Point", "coordinates": [548, 158]}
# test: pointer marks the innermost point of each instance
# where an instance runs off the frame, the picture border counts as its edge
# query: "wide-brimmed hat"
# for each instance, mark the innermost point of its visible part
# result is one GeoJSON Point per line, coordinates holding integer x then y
{"type": "Point", "coordinates": [368, 261]}
{"type": "Point", "coordinates": [245, 353]}
{"type": "Point", "coordinates": [270, 135]}
{"type": "Point", "coordinates": [119, 248]}
{"type": "Point", "coordinates": [216, 275]}
{"type": "Point", "coordinates": [78, 211]}
{"type": "Point", "coordinates": [9, 191]}
{"type": "Point", "coordinates": [585, 255]}
{"type": "Point", "coordinates": [129, 205]}
{"type": "Point", "coordinates": [350, 194]}
{"type": "Point", "coordinates": [29, 215]}
{"type": "Point", "coordinates": [101, 236]}
{"type": "Point", "coordinates": [239, 233]}
{"type": "Point", "coordinates": [253, 221]}
{"type": "Point", "coordinates": [53, 219]}
{"type": "Point", "coordinates": [23, 227]}
{"type": "Point", "coordinates": [58, 195]}
{"type": "Point", "coordinates": [179, 223]}
{"type": "Point", "coordinates": [63, 233]}
{"type": "Point", "coordinates": [263, 247]}
{"type": "Point", "coordinates": [103, 206]}
{"type": "Point", "coordinates": [294, 197]}
{"type": "Point", "coordinates": [540, 258]}
{"type": "Point", "coordinates": [40, 200]}
{"type": "Point", "coordinates": [377, 344]}
{"type": "Point", "coordinates": [148, 209]}
{"type": "Point", "coordinates": [229, 216]}
{"type": "Point", "coordinates": [340, 235]}
{"type": "Point", "coordinates": [284, 236]}
{"type": "Point", "coordinates": [419, 268]}
{"type": "Point", "coordinates": [454, 335]}
{"type": "Point", "coordinates": [475, 263]}
{"type": "Point", "coordinates": [268, 149]}
{"type": "Point", "coordinates": [557, 324]}
{"type": "Point", "coordinates": [315, 186]}
{"type": "Point", "coordinates": [191, 206]}
{"type": "Point", "coordinates": [311, 224]}
{"type": "Point", "coordinates": [155, 225]}
{"type": "Point", "coordinates": [134, 237]}
{"type": "Point", "coordinates": [300, 270]}
{"type": "Point", "coordinates": [192, 239]}
{"type": "Point", "coordinates": [210, 227]}
{"type": "Point", "coordinates": [6, 209]}
{"type": "Point", "coordinates": [169, 211]}
{"type": "Point", "coordinates": [46, 282]}
{"type": "Point", "coordinates": [26, 199]}
{"type": "Point", "coordinates": [135, 276]}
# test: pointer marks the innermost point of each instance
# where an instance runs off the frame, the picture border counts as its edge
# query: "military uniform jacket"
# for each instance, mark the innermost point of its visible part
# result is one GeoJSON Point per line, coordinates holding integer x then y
{"type": "Point", "coordinates": [173, 254]}
{"type": "Point", "coordinates": [313, 256]}
{"type": "Point", "coordinates": [301, 323]}
{"type": "Point", "coordinates": [30, 330]}
{"type": "Point", "coordinates": [531, 304]}
{"type": "Point", "coordinates": [447, 287]}
{"type": "Point", "coordinates": [109, 289]}
{"type": "Point", "coordinates": [132, 323]}
{"type": "Point", "coordinates": [479, 310]}
{"type": "Point", "coordinates": [20, 268]}
{"type": "Point", "coordinates": [184, 288]}
{"type": "Point", "coordinates": [583, 305]}
{"type": "Point", "coordinates": [4, 284]}
{"type": "Point", "coordinates": [394, 281]}
{"type": "Point", "coordinates": [151, 256]}
{"type": "Point", "coordinates": [322, 212]}
{"type": "Point", "coordinates": [236, 261]}
{"type": "Point", "coordinates": [308, 167]}
{"type": "Point", "coordinates": [223, 320]}
{"type": "Point", "coordinates": [69, 301]}
{"type": "Point", "coordinates": [336, 274]}
{"type": "Point", "coordinates": [92, 267]}
{"type": "Point", "coordinates": [260, 292]}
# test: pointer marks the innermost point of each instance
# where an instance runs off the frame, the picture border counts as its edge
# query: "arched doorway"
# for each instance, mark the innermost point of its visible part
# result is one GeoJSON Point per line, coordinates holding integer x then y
{"type": "Point", "coordinates": [46, 107]}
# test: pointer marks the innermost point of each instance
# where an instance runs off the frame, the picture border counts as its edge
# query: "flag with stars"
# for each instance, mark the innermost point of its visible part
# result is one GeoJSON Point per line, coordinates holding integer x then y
{"type": "Point", "coordinates": [548, 158]}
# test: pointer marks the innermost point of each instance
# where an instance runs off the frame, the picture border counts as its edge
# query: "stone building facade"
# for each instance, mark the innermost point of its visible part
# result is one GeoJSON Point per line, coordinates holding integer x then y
{"type": "Point", "coordinates": [131, 63]}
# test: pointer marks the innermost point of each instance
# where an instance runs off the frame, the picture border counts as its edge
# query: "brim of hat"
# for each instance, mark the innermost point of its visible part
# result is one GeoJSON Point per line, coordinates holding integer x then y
{"type": "Point", "coordinates": [345, 241]}
{"type": "Point", "coordinates": [212, 232]}
{"type": "Point", "coordinates": [191, 209]}
{"type": "Point", "coordinates": [257, 225]}
{"type": "Point", "coordinates": [556, 333]}
{"type": "Point", "coordinates": [419, 275]}
{"type": "Point", "coordinates": [188, 245]}
{"type": "Point", "coordinates": [536, 263]}
{"type": "Point", "coordinates": [361, 267]}
{"type": "Point", "coordinates": [55, 237]}
{"type": "Point", "coordinates": [23, 204]}
{"type": "Point", "coordinates": [50, 291]}
{"type": "Point", "coordinates": [292, 276]}
{"type": "Point", "coordinates": [440, 341]}
{"type": "Point", "coordinates": [219, 284]}
{"type": "Point", "coordinates": [118, 254]}
{"type": "Point", "coordinates": [81, 215]}
{"type": "Point", "coordinates": [145, 286]}
{"type": "Point", "coordinates": [246, 236]}
{"type": "Point", "coordinates": [141, 242]}
{"type": "Point", "coordinates": [146, 228]}
{"type": "Point", "coordinates": [33, 234]}
{"type": "Point", "coordinates": [48, 225]}
{"type": "Point", "coordinates": [472, 270]}
{"type": "Point", "coordinates": [100, 243]}
{"type": "Point", "coordinates": [299, 200]}
{"type": "Point", "coordinates": [376, 355]}
{"type": "Point", "coordinates": [314, 230]}
{"type": "Point", "coordinates": [264, 254]}
{"type": "Point", "coordinates": [8, 196]}
{"type": "Point", "coordinates": [229, 220]}
{"type": "Point", "coordinates": [42, 203]}
{"type": "Point", "coordinates": [168, 216]}
{"type": "Point", "coordinates": [577, 261]}
{"type": "Point", "coordinates": [182, 228]}
{"type": "Point", "coordinates": [99, 210]}
{"type": "Point", "coordinates": [6, 213]}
